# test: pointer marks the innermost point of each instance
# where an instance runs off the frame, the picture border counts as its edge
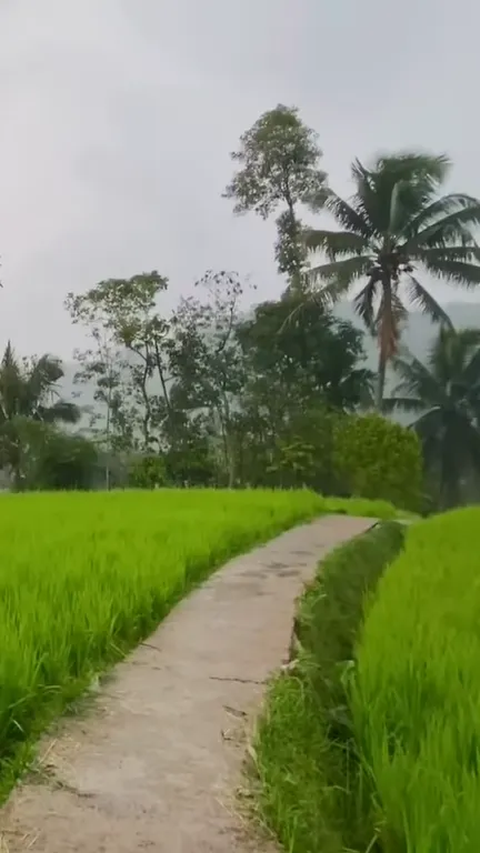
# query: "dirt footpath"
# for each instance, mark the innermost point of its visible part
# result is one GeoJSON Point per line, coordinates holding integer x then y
{"type": "Point", "coordinates": [155, 765]}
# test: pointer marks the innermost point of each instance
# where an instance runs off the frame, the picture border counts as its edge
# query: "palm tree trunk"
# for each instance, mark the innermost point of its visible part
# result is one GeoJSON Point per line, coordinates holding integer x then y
{"type": "Point", "coordinates": [387, 335]}
{"type": "Point", "coordinates": [380, 388]}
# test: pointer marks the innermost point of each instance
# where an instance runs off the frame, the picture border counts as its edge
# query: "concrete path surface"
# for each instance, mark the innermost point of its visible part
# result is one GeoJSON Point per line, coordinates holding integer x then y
{"type": "Point", "coordinates": [155, 764]}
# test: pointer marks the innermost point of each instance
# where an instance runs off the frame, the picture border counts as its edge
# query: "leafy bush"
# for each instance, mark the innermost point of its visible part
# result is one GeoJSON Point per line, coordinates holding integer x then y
{"type": "Point", "coordinates": [377, 458]}
{"type": "Point", "coordinates": [148, 472]}
{"type": "Point", "coordinates": [304, 453]}
{"type": "Point", "coordinates": [416, 700]}
{"type": "Point", "coordinates": [307, 770]}
{"type": "Point", "coordinates": [46, 458]}
{"type": "Point", "coordinates": [66, 462]}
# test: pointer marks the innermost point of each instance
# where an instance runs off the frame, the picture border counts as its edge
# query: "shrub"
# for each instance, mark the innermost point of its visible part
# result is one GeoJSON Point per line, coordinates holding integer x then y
{"type": "Point", "coordinates": [377, 458]}
{"type": "Point", "coordinates": [66, 462]}
{"type": "Point", "coordinates": [303, 454]}
{"type": "Point", "coordinates": [148, 472]}
{"type": "Point", "coordinates": [416, 700]}
{"type": "Point", "coordinates": [307, 770]}
{"type": "Point", "coordinates": [50, 459]}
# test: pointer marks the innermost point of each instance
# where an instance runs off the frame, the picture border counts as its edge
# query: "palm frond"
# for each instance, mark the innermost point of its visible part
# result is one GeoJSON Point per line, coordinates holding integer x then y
{"type": "Point", "coordinates": [43, 374]}
{"type": "Point", "coordinates": [413, 165]}
{"type": "Point", "coordinates": [449, 230]}
{"type": "Point", "coordinates": [421, 298]}
{"type": "Point", "coordinates": [364, 302]}
{"type": "Point", "coordinates": [368, 200]}
{"type": "Point", "coordinates": [473, 445]}
{"type": "Point", "coordinates": [344, 272]}
{"type": "Point", "coordinates": [451, 353]}
{"type": "Point", "coordinates": [438, 210]}
{"type": "Point", "coordinates": [472, 370]}
{"type": "Point", "coordinates": [409, 405]}
{"type": "Point", "coordinates": [430, 429]}
{"type": "Point", "coordinates": [324, 297]}
{"type": "Point", "coordinates": [455, 272]}
{"type": "Point", "coordinates": [326, 294]}
{"type": "Point", "coordinates": [448, 253]}
{"type": "Point", "coordinates": [27, 388]}
{"type": "Point", "coordinates": [396, 188]}
{"type": "Point", "coordinates": [417, 381]}
{"type": "Point", "coordinates": [449, 394]}
{"type": "Point", "coordinates": [335, 243]}
{"type": "Point", "coordinates": [347, 216]}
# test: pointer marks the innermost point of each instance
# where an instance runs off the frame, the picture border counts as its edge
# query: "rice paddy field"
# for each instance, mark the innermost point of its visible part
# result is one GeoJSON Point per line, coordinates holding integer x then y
{"type": "Point", "coordinates": [85, 576]}
{"type": "Point", "coordinates": [416, 704]}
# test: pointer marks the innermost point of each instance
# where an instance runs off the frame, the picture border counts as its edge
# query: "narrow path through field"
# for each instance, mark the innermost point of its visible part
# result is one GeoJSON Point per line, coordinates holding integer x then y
{"type": "Point", "coordinates": [154, 766]}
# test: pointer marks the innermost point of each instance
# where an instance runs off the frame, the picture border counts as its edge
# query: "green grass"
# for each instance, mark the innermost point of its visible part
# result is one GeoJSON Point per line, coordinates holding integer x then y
{"type": "Point", "coordinates": [309, 783]}
{"type": "Point", "coordinates": [416, 701]}
{"type": "Point", "coordinates": [85, 576]}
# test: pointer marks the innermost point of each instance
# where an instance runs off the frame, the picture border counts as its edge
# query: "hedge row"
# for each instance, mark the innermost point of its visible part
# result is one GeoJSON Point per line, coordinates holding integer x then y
{"type": "Point", "coordinates": [416, 702]}
{"type": "Point", "coordinates": [309, 781]}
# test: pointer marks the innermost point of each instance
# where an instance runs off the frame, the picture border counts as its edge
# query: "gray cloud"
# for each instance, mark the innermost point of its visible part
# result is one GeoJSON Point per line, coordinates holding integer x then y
{"type": "Point", "coordinates": [118, 119]}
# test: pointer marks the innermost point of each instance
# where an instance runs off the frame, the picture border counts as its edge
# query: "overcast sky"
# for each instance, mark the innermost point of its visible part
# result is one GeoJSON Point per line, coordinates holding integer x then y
{"type": "Point", "coordinates": [118, 117]}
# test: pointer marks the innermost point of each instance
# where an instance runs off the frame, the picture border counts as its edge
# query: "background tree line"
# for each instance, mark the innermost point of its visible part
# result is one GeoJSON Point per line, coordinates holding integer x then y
{"type": "Point", "coordinates": [277, 395]}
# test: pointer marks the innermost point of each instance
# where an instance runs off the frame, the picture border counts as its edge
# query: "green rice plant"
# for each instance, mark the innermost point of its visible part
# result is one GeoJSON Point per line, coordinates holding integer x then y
{"type": "Point", "coordinates": [416, 699]}
{"type": "Point", "coordinates": [86, 576]}
{"type": "Point", "coordinates": [307, 776]}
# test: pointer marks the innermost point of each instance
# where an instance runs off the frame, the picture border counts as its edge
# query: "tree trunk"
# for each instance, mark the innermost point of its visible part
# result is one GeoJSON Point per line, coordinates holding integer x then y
{"type": "Point", "coordinates": [107, 432]}
{"type": "Point", "coordinates": [379, 391]}
{"type": "Point", "coordinates": [386, 338]}
{"type": "Point", "coordinates": [294, 268]}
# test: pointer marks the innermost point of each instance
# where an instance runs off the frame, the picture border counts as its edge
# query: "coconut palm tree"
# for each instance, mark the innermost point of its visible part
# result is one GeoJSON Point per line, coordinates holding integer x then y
{"type": "Point", "coordinates": [28, 395]}
{"type": "Point", "coordinates": [29, 389]}
{"type": "Point", "coordinates": [396, 224]}
{"type": "Point", "coordinates": [444, 395]}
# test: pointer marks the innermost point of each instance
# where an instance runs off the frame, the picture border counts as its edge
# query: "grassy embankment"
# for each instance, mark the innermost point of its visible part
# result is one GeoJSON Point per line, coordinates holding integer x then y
{"type": "Point", "coordinates": [84, 577]}
{"type": "Point", "coordinates": [308, 781]}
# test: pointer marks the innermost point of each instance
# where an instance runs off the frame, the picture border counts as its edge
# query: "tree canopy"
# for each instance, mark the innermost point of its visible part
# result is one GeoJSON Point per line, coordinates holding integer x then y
{"type": "Point", "coordinates": [444, 397]}
{"type": "Point", "coordinates": [219, 390]}
{"type": "Point", "coordinates": [278, 163]}
{"type": "Point", "coordinates": [396, 225]}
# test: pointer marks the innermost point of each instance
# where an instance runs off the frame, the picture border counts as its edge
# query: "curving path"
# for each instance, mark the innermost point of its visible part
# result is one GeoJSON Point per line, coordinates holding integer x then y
{"type": "Point", "coordinates": [155, 765]}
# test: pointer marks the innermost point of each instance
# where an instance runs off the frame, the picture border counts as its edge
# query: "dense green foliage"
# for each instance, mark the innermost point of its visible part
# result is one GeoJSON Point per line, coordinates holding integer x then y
{"type": "Point", "coordinates": [376, 457]}
{"type": "Point", "coordinates": [444, 394]}
{"type": "Point", "coordinates": [417, 697]}
{"type": "Point", "coordinates": [148, 472]}
{"type": "Point", "coordinates": [30, 409]}
{"type": "Point", "coordinates": [219, 392]}
{"type": "Point", "coordinates": [309, 780]}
